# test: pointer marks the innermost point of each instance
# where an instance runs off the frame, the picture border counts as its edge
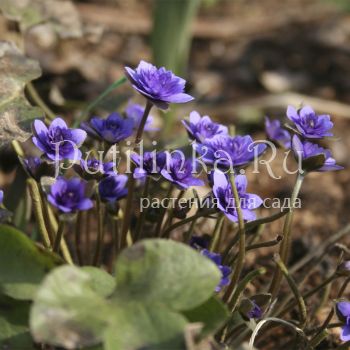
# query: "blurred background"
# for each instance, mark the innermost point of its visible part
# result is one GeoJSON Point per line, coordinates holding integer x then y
{"type": "Point", "coordinates": [243, 59]}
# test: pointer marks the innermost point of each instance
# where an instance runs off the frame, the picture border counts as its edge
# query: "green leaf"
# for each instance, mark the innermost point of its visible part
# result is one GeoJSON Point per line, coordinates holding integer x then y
{"type": "Point", "coordinates": [101, 281]}
{"type": "Point", "coordinates": [155, 279]}
{"type": "Point", "coordinates": [14, 330]}
{"type": "Point", "coordinates": [168, 272]}
{"type": "Point", "coordinates": [61, 17]}
{"type": "Point", "coordinates": [212, 313]}
{"type": "Point", "coordinates": [67, 311]}
{"type": "Point", "coordinates": [16, 114]}
{"type": "Point", "coordinates": [22, 264]}
{"type": "Point", "coordinates": [137, 326]}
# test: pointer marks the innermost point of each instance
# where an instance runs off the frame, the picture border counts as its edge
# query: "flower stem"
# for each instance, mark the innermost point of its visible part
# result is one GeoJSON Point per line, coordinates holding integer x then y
{"type": "Point", "coordinates": [217, 233]}
{"type": "Point", "coordinates": [100, 231]}
{"type": "Point", "coordinates": [241, 234]}
{"type": "Point", "coordinates": [78, 229]}
{"type": "Point", "coordinates": [131, 180]}
{"type": "Point", "coordinates": [38, 211]}
{"type": "Point", "coordinates": [59, 236]}
{"type": "Point", "coordinates": [298, 297]}
{"type": "Point", "coordinates": [143, 213]}
{"type": "Point", "coordinates": [285, 245]}
{"type": "Point", "coordinates": [163, 213]}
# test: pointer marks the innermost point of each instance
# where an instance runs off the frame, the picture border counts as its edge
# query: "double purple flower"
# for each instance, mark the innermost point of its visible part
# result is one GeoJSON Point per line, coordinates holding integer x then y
{"type": "Point", "coordinates": [229, 152]}
{"type": "Point", "coordinates": [113, 129]}
{"type": "Point", "coordinates": [58, 142]}
{"type": "Point", "coordinates": [148, 164]}
{"type": "Point", "coordinates": [135, 112]}
{"type": "Point", "coordinates": [307, 150]}
{"type": "Point", "coordinates": [160, 86]}
{"type": "Point", "coordinates": [276, 133]}
{"type": "Point", "coordinates": [179, 171]}
{"type": "Point", "coordinates": [203, 128]}
{"type": "Point", "coordinates": [69, 195]}
{"type": "Point", "coordinates": [225, 270]}
{"type": "Point", "coordinates": [113, 188]}
{"type": "Point", "coordinates": [343, 311]}
{"type": "Point", "coordinates": [223, 193]}
{"type": "Point", "coordinates": [309, 124]}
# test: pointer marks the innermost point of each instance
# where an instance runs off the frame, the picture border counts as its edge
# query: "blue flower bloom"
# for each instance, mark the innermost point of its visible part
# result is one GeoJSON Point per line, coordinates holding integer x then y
{"type": "Point", "coordinates": [343, 311]}
{"type": "Point", "coordinates": [222, 191]}
{"type": "Point", "coordinates": [276, 133]}
{"type": "Point", "coordinates": [255, 311]}
{"type": "Point", "coordinates": [113, 129]}
{"type": "Point", "coordinates": [113, 187]}
{"type": "Point", "coordinates": [148, 164]}
{"type": "Point", "coordinates": [306, 150]}
{"type": "Point", "coordinates": [180, 171]}
{"type": "Point", "coordinates": [225, 270]}
{"type": "Point", "coordinates": [58, 138]}
{"type": "Point", "coordinates": [69, 195]}
{"type": "Point", "coordinates": [309, 124]}
{"type": "Point", "coordinates": [135, 112]}
{"type": "Point", "coordinates": [160, 86]}
{"type": "Point", "coordinates": [229, 152]}
{"type": "Point", "coordinates": [94, 169]}
{"type": "Point", "coordinates": [1, 196]}
{"type": "Point", "coordinates": [203, 128]}
{"type": "Point", "coordinates": [199, 242]}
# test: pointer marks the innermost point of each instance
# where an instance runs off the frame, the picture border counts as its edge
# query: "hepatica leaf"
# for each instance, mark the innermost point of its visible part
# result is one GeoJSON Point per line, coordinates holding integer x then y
{"type": "Point", "coordinates": [157, 281]}
{"type": "Point", "coordinates": [16, 114]}
{"type": "Point", "coordinates": [23, 265]}
{"type": "Point", "coordinates": [60, 15]}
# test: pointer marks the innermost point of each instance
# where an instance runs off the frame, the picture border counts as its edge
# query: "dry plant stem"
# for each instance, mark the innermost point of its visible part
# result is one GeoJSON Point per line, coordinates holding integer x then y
{"type": "Point", "coordinates": [45, 207]}
{"type": "Point", "coordinates": [78, 229]}
{"type": "Point", "coordinates": [38, 211]}
{"type": "Point", "coordinates": [187, 220]}
{"type": "Point", "coordinates": [39, 102]}
{"type": "Point", "coordinates": [143, 213]}
{"type": "Point", "coordinates": [241, 234]}
{"type": "Point", "coordinates": [59, 235]}
{"type": "Point", "coordinates": [100, 231]}
{"type": "Point", "coordinates": [298, 297]}
{"type": "Point", "coordinates": [162, 216]}
{"type": "Point", "coordinates": [131, 180]}
{"type": "Point", "coordinates": [217, 232]}
{"type": "Point", "coordinates": [285, 246]}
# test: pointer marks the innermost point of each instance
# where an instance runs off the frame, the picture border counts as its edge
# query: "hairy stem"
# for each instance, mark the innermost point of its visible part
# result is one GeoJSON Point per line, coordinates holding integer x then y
{"type": "Point", "coordinates": [143, 213]}
{"type": "Point", "coordinates": [285, 246]}
{"type": "Point", "coordinates": [59, 236]}
{"type": "Point", "coordinates": [131, 180]}
{"type": "Point", "coordinates": [100, 231]}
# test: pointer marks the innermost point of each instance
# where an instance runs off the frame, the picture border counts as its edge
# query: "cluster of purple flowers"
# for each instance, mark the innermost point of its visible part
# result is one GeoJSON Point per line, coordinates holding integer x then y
{"type": "Point", "coordinates": [308, 127]}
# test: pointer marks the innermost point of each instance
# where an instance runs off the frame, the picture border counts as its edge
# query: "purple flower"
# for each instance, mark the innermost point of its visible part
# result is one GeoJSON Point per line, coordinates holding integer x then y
{"type": "Point", "coordinates": [69, 195]}
{"type": "Point", "coordinates": [158, 85]}
{"type": "Point", "coordinates": [309, 124]}
{"type": "Point", "coordinates": [276, 133]}
{"type": "Point", "coordinates": [222, 191]}
{"type": "Point", "coordinates": [37, 168]}
{"type": "Point", "coordinates": [135, 112]}
{"type": "Point", "coordinates": [343, 311]}
{"type": "Point", "coordinates": [225, 270]}
{"type": "Point", "coordinates": [307, 150]}
{"type": "Point", "coordinates": [1, 196]}
{"type": "Point", "coordinates": [202, 128]}
{"type": "Point", "coordinates": [113, 188]}
{"type": "Point", "coordinates": [113, 129]}
{"type": "Point", "coordinates": [179, 171]}
{"type": "Point", "coordinates": [58, 137]}
{"type": "Point", "coordinates": [94, 169]}
{"type": "Point", "coordinates": [228, 152]}
{"type": "Point", "coordinates": [148, 164]}
{"type": "Point", "coordinates": [255, 312]}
